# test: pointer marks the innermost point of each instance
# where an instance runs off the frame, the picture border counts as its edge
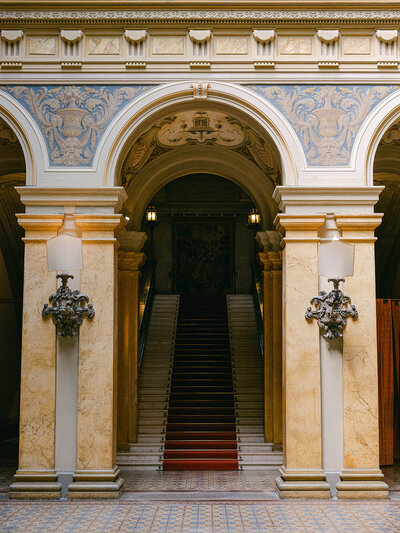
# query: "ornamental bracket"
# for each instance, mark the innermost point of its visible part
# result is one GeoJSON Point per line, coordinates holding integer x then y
{"type": "Point", "coordinates": [332, 311]}
{"type": "Point", "coordinates": [67, 308]}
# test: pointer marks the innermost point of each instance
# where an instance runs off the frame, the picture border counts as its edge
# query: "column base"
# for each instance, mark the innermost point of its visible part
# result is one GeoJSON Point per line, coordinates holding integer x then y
{"type": "Point", "coordinates": [360, 484]}
{"type": "Point", "coordinates": [302, 484]}
{"type": "Point", "coordinates": [95, 484]}
{"type": "Point", "coordinates": [35, 485]}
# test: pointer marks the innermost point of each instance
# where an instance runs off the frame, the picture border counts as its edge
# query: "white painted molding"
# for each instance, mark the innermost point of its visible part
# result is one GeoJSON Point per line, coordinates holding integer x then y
{"type": "Point", "coordinates": [71, 36]}
{"type": "Point", "coordinates": [135, 36]}
{"type": "Point", "coordinates": [157, 102]}
{"type": "Point", "coordinates": [321, 200]}
{"type": "Point", "coordinates": [387, 36]}
{"type": "Point", "coordinates": [200, 36]}
{"type": "Point", "coordinates": [200, 90]}
{"type": "Point", "coordinates": [103, 197]}
{"type": "Point", "coordinates": [12, 35]}
{"type": "Point", "coordinates": [264, 36]}
{"type": "Point", "coordinates": [328, 36]}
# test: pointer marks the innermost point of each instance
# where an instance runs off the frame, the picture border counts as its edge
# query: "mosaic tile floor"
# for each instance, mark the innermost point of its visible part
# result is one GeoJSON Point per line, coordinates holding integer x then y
{"type": "Point", "coordinates": [201, 480]}
{"type": "Point", "coordinates": [78, 517]}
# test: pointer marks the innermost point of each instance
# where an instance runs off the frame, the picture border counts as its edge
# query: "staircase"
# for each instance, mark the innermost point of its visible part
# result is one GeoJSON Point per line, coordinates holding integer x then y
{"type": "Point", "coordinates": [201, 429]}
{"type": "Point", "coordinates": [248, 374]}
{"type": "Point", "coordinates": [154, 378]}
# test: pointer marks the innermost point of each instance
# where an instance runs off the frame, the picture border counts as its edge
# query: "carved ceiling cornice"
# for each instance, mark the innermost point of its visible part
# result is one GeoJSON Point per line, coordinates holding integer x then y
{"type": "Point", "coordinates": [198, 16]}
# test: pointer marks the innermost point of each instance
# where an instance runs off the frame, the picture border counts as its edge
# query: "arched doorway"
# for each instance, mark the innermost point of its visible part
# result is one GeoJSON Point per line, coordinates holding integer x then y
{"type": "Point", "coordinates": [204, 169]}
{"type": "Point", "coordinates": [12, 174]}
{"type": "Point", "coordinates": [387, 261]}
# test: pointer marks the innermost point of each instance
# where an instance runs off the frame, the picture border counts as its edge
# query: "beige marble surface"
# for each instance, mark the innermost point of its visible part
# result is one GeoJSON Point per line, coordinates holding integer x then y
{"type": "Point", "coordinates": [96, 438]}
{"type": "Point", "coordinates": [301, 359]}
{"type": "Point", "coordinates": [38, 364]}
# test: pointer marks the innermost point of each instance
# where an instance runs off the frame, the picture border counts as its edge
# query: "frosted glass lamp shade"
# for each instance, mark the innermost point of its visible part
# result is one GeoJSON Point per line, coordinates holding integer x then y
{"type": "Point", "coordinates": [64, 253]}
{"type": "Point", "coordinates": [336, 259]}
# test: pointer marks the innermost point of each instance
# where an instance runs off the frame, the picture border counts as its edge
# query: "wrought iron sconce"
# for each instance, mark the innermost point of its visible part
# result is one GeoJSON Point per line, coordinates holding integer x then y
{"type": "Point", "coordinates": [68, 307]}
{"type": "Point", "coordinates": [332, 311]}
{"type": "Point", "coordinates": [335, 260]}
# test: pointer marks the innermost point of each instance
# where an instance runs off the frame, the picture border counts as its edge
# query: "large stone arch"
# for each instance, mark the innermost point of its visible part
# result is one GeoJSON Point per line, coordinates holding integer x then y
{"type": "Point", "coordinates": [161, 100]}
{"type": "Point", "coordinates": [371, 133]}
{"type": "Point", "coordinates": [29, 137]}
{"type": "Point", "coordinates": [208, 160]}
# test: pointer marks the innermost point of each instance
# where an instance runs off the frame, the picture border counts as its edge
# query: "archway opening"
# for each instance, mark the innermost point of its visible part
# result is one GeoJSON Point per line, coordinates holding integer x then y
{"type": "Point", "coordinates": [202, 244]}
{"type": "Point", "coordinates": [12, 174]}
{"type": "Point", "coordinates": [204, 170]}
{"type": "Point", "coordinates": [387, 260]}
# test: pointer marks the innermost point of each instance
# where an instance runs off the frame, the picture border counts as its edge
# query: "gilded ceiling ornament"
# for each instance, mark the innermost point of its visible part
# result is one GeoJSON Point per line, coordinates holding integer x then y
{"type": "Point", "coordinates": [392, 135]}
{"type": "Point", "coordinates": [7, 135]}
{"type": "Point", "coordinates": [73, 117]}
{"type": "Point", "coordinates": [326, 118]}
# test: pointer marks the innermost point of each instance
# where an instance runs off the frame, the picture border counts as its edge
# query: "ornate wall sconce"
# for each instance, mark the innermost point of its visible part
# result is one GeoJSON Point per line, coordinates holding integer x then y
{"type": "Point", "coordinates": [68, 307]}
{"type": "Point", "coordinates": [335, 260]}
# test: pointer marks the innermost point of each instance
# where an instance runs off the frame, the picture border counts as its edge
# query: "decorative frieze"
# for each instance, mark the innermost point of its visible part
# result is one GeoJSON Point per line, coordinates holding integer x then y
{"type": "Point", "coordinates": [264, 36]}
{"type": "Point", "coordinates": [71, 36]}
{"type": "Point", "coordinates": [73, 117]}
{"type": "Point", "coordinates": [387, 36]}
{"type": "Point", "coordinates": [135, 36]}
{"type": "Point", "coordinates": [326, 118]}
{"type": "Point", "coordinates": [200, 36]}
{"type": "Point", "coordinates": [12, 36]}
{"type": "Point", "coordinates": [200, 48]}
{"type": "Point", "coordinates": [306, 16]}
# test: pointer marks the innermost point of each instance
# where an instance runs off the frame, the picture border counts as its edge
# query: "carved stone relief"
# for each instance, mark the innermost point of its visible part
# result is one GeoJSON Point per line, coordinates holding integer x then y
{"type": "Point", "coordinates": [295, 45]}
{"type": "Point", "coordinates": [356, 45]}
{"type": "Point", "coordinates": [42, 46]}
{"type": "Point", "coordinates": [231, 45]}
{"type": "Point", "coordinates": [199, 127]}
{"type": "Point", "coordinates": [72, 117]}
{"type": "Point", "coordinates": [168, 45]}
{"type": "Point", "coordinates": [326, 118]}
{"type": "Point", "coordinates": [104, 46]}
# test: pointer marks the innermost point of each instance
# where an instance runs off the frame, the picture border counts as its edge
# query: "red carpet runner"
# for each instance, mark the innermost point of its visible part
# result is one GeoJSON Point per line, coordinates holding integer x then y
{"type": "Point", "coordinates": [201, 429]}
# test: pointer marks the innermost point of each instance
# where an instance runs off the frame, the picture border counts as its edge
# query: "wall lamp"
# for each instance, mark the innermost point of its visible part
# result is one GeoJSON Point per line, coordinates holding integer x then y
{"type": "Point", "coordinates": [68, 307]}
{"type": "Point", "coordinates": [335, 261]}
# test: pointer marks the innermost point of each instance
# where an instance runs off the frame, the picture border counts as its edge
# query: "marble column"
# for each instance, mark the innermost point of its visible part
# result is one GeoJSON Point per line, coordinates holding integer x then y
{"type": "Point", "coordinates": [302, 475]}
{"type": "Point", "coordinates": [96, 474]}
{"type": "Point", "coordinates": [361, 477]}
{"type": "Point", "coordinates": [129, 262]}
{"type": "Point", "coordinates": [36, 476]}
{"type": "Point", "coordinates": [272, 321]}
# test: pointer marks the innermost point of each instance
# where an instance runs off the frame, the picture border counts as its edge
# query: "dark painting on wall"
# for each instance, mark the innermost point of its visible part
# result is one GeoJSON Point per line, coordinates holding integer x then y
{"type": "Point", "coordinates": [203, 256]}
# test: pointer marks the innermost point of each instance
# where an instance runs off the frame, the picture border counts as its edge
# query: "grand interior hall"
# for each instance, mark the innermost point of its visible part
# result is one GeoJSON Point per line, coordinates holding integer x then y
{"type": "Point", "coordinates": [199, 266]}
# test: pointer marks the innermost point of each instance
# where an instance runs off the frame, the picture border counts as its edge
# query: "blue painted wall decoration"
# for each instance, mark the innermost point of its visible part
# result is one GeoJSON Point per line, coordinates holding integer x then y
{"type": "Point", "coordinates": [326, 118]}
{"type": "Point", "coordinates": [73, 118]}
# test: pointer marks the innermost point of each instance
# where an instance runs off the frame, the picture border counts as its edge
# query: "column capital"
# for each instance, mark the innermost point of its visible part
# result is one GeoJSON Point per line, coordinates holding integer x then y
{"type": "Point", "coordinates": [129, 260]}
{"type": "Point", "coordinates": [268, 240]}
{"type": "Point", "coordinates": [338, 199]}
{"type": "Point", "coordinates": [299, 228]}
{"type": "Point", "coordinates": [131, 240]}
{"type": "Point", "coordinates": [104, 197]}
{"type": "Point", "coordinates": [40, 222]}
{"type": "Point", "coordinates": [358, 228]}
{"type": "Point", "coordinates": [276, 260]}
{"type": "Point", "coordinates": [264, 261]}
{"type": "Point", "coordinates": [98, 223]}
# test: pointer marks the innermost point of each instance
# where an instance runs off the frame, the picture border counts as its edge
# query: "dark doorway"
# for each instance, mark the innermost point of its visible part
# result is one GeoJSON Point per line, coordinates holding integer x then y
{"type": "Point", "coordinates": [203, 255]}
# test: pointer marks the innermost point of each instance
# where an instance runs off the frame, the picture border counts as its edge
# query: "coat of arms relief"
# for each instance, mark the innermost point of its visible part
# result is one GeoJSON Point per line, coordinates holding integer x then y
{"type": "Point", "coordinates": [203, 128]}
{"type": "Point", "coordinates": [72, 117]}
{"type": "Point", "coordinates": [326, 118]}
